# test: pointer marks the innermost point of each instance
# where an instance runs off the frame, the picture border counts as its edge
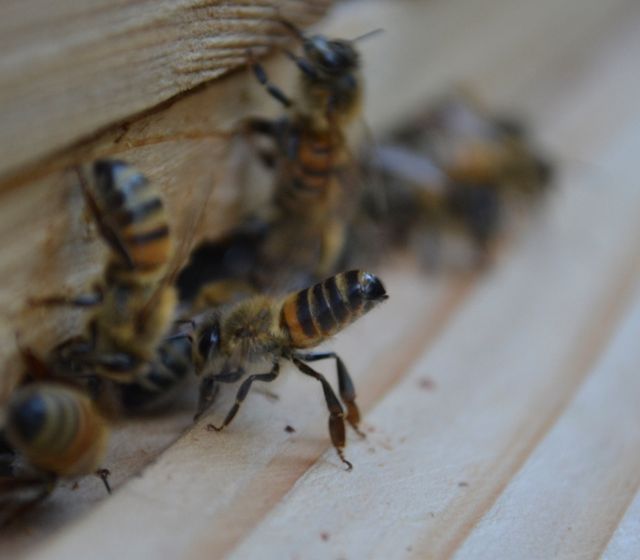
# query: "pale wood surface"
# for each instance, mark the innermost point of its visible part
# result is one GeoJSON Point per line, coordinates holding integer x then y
{"type": "Point", "coordinates": [501, 408]}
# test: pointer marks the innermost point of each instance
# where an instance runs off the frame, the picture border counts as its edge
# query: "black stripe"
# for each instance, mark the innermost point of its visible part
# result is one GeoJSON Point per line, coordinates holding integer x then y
{"type": "Point", "coordinates": [147, 236]}
{"type": "Point", "coordinates": [303, 313]}
{"type": "Point", "coordinates": [322, 310]}
{"type": "Point", "coordinates": [354, 295]}
{"type": "Point", "coordinates": [338, 307]}
{"type": "Point", "coordinates": [126, 217]}
{"type": "Point", "coordinates": [104, 171]}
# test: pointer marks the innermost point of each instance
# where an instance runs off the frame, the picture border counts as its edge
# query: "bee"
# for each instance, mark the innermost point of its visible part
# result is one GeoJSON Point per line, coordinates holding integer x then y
{"type": "Point", "coordinates": [268, 329]}
{"type": "Point", "coordinates": [455, 168]}
{"type": "Point", "coordinates": [51, 431]}
{"type": "Point", "coordinates": [133, 303]}
{"type": "Point", "coordinates": [316, 187]}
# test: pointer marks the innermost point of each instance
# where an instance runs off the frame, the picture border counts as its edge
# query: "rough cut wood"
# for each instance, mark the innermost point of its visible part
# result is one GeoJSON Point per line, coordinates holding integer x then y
{"type": "Point", "coordinates": [70, 68]}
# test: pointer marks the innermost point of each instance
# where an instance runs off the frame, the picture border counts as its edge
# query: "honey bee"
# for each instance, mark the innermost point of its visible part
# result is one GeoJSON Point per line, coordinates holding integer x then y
{"type": "Point", "coordinates": [316, 187]}
{"type": "Point", "coordinates": [456, 168]}
{"type": "Point", "coordinates": [133, 303]}
{"type": "Point", "coordinates": [51, 431]}
{"type": "Point", "coordinates": [269, 329]}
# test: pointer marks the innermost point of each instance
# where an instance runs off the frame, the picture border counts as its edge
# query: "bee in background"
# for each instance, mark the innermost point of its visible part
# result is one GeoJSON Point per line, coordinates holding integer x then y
{"type": "Point", "coordinates": [50, 431]}
{"type": "Point", "coordinates": [456, 169]}
{"type": "Point", "coordinates": [134, 303]}
{"type": "Point", "coordinates": [267, 329]}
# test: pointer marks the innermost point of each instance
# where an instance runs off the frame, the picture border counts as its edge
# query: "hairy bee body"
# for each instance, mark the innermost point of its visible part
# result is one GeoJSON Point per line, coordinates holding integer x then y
{"type": "Point", "coordinates": [133, 308]}
{"type": "Point", "coordinates": [269, 329]}
{"type": "Point", "coordinates": [57, 429]}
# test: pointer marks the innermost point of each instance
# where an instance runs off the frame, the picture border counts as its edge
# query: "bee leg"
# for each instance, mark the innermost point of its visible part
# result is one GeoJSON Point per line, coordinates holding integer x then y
{"type": "Point", "coordinates": [303, 64]}
{"type": "Point", "coordinates": [243, 392]}
{"type": "Point", "coordinates": [9, 484]}
{"type": "Point", "coordinates": [207, 394]}
{"type": "Point", "coordinates": [345, 386]}
{"type": "Point", "coordinates": [273, 90]}
{"type": "Point", "coordinates": [336, 414]}
{"type": "Point", "coordinates": [104, 474]}
{"type": "Point", "coordinates": [209, 388]}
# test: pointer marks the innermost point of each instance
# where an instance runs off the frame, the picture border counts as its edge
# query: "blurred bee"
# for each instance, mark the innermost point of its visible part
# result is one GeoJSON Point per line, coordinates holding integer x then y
{"type": "Point", "coordinates": [316, 185]}
{"type": "Point", "coordinates": [134, 302]}
{"type": "Point", "coordinates": [262, 329]}
{"type": "Point", "coordinates": [455, 169]}
{"type": "Point", "coordinates": [50, 431]}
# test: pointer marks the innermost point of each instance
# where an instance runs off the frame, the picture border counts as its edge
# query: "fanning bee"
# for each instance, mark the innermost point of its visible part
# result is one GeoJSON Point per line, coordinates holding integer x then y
{"type": "Point", "coordinates": [51, 431]}
{"type": "Point", "coordinates": [455, 168]}
{"type": "Point", "coordinates": [133, 304]}
{"type": "Point", "coordinates": [267, 329]}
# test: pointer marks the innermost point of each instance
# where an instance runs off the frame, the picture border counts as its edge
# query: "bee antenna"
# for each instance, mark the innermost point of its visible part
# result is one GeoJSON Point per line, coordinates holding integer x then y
{"type": "Point", "coordinates": [368, 34]}
{"type": "Point", "coordinates": [293, 30]}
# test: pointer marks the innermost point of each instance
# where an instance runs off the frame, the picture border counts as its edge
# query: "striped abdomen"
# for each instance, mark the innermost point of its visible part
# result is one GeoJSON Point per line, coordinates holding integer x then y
{"type": "Point", "coordinates": [314, 314]}
{"type": "Point", "coordinates": [132, 209]}
{"type": "Point", "coordinates": [310, 172]}
{"type": "Point", "coordinates": [56, 428]}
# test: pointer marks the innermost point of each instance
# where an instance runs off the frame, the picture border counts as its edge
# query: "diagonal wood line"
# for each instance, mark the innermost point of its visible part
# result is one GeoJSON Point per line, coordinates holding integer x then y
{"type": "Point", "coordinates": [618, 520]}
{"type": "Point", "coordinates": [580, 363]}
{"type": "Point", "coordinates": [227, 532]}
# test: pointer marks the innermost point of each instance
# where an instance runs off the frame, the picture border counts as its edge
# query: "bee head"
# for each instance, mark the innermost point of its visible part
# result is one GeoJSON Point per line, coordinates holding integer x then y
{"type": "Point", "coordinates": [331, 56]}
{"type": "Point", "coordinates": [372, 288]}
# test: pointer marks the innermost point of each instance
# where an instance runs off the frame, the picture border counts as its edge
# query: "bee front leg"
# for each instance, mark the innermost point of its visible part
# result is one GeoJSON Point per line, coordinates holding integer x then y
{"type": "Point", "coordinates": [207, 394]}
{"type": "Point", "coordinates": [273, 90]}
{"type": "Point", "coordinates": [209, 387]}
{"type": "Point", "coordinates": [336, 414]}
{"type": "Point", "coordinates": [244, 391]}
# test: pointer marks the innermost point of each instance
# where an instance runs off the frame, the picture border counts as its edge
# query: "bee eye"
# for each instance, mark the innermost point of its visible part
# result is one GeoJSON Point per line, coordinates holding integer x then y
{"type": "Point", "coordinates": [209, 339]}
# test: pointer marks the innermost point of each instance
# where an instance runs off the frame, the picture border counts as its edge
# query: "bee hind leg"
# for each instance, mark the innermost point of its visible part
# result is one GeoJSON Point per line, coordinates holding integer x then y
{"type": "Point", "coordinates": [336, 414]}
{"type": "Point", "coordinates": [345, 386]}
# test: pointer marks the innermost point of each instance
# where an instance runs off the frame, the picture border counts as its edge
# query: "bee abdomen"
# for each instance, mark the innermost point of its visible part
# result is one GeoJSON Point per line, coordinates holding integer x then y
{"type": "Point", "coordinates": [316, 313]}
{"type": "Point", "coordinates": [56, 428]}
{"type": "Point", "coordinates": [134, 208]}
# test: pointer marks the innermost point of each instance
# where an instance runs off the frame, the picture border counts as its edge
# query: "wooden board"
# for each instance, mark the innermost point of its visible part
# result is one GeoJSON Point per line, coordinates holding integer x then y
{"type": "Point", "coordinates": [501, 409]}
{"type": "Point", "coordinates": [68, 70]}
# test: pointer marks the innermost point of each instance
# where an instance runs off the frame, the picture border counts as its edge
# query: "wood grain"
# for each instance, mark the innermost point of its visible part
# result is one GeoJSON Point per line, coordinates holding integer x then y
{"type": "Point", "coordinates": [68, 69]}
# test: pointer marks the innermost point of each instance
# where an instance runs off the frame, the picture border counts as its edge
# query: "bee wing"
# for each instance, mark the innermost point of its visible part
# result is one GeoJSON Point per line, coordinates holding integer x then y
{"type": "Point", "coordinates": [410, 166]}
{"type": "Point", "coordinates": [108, 233]}
{"type": "Point", "coordinates": [181, 255]}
